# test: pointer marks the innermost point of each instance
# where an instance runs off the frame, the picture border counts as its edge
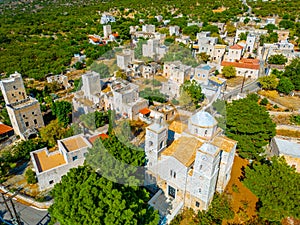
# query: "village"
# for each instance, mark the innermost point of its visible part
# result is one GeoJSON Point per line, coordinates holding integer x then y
{"type": "Point", "coordinates": [166, 86]}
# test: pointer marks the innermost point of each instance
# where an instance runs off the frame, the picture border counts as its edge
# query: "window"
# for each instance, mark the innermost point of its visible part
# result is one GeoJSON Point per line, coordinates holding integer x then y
{"type": "Point", "coordinates": [150, 143]}
{"type": "Point", "coordinates": [200, 167]}
{"type": "Point", "coordinates": [26, 124]}
{"type": "Point", "coordinates": [203, 75]}
{"type": "Point", "coordinates": [171, 191]}
{"type": "Point", "coordinates": [196, 131]}
{"type": "Point", "coordinates": [161, 145]}
{"type": "Point", "coordinates": [35, 121]}
{"type": "Point", "coordinates": [51, 182]}
{"type": "Point", "coordinates": [24, 116]}
{"type": "Point", "coordinates": [199, 190]}
{"type": "Point", "coordinates": [197, 204]}
{"type": "Point", "coordinates": [75, 157]}
{"type": "Point", "coordinates": [205, 132]}
{"type": "Point", "coordinates": [32, 113]}
{"type": "Point", "coordinates": [171, 173]}
{"type": "Point", "coordinates": [174, 175]}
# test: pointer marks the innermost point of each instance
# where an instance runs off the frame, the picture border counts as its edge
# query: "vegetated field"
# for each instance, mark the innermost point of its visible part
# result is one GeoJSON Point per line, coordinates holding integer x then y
{"type": "Point", "coordinates": [40, 37]}
{"type": "Point", "coordinates": [243, 200]}
{"type": "Point", "coordinates": [290, 102]}
{"type": "Point", "coordinates": [235, 81]}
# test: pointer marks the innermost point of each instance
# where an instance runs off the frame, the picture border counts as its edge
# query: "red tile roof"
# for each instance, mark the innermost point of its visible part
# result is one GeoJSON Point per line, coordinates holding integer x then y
{"type": "Point", "coordinates": [253, 61]}
{"type": "Point", "coordinates": [236, 46]}
{"type": "Point", "coordinates": [145, 111]}
{"type": "Point", "coordinates": [241, 65]}
{"type": "Point", "coordinates": [94, 138]}
{"type": "Point", "coordinates": [5, 129]}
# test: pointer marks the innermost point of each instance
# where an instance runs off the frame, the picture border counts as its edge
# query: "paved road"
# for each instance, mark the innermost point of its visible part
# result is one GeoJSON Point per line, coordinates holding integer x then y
{"type": "Point", "coordinates": [28, 215]}
{"type": "Point", "coordinates": [248, 88]}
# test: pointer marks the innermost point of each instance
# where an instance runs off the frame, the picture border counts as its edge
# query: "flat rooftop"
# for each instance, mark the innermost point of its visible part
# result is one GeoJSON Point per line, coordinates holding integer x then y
{"type": "Point", "coordinates": [74, 143]}
{"type": "Point", "coordinates": [288, 146]}
{"type": "Point", "coordinates": [184, 150]}
{"type": "Point", "coordinates": [46, 161]}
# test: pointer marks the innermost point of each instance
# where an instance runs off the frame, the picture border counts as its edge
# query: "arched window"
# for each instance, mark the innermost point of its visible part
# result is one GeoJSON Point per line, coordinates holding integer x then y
{"type": "Point", "coordinates": [150, 143]}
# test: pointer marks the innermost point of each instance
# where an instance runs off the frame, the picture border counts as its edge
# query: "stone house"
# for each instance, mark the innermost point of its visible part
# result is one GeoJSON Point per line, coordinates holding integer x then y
{"type": "Point", "coordinates": [124, 99]}
{"type": "Point", "coordinates": [177, 72]}
{"type": "Point", "coordinates": [24, 111]}
{"type": "Point", "coordinates": [106, 18]}
{"type": "Point", "coordinates": [245, 67]}
{"type": "Point", "coordinates": [148, 28]}
{"type": "Point", "coordinates": [107, 31]}
{"type": "Point", "coordinates": [234, 53]}
{"type": "Point", "coordinates": [87, 99]}
{"type": "Point", "coordinates": [51, 166]}
{"type": "Point", "coordinates": [125, 58]}
{"type": "Point", "coordinates": [288, 148]}
{"type": "Point", "coordinates": [60, 79]}
{"type": "Point", "coordinates": [188, 171]}
{"type": "Point", "coordinates": [202, 73]}
{"type": "Point", "coordinates": [174, 30]}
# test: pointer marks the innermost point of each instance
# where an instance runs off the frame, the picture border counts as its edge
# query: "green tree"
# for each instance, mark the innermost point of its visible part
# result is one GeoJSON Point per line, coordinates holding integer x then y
{"type": "Point", "coordinates": [285, 85]}
{"type": "Point", "coordinates": [277, 59]}
{"type": "Point", "coordinates": [204, 57]}
{"type": "Point", "coordinates": [191, 30]}
{"type": "Point", "coordinates": [246, 20]}
{"type": "Point", "coordinates": [100, 68]}
{"type": "Point", "coordinates": [62, 110]}
{"type": "Point", "coordinates": [276, 184]}
{"type": "Point", "coordinates": [229, 71]}
{"type": "Point", "coordinates": [269, 82]}
{"type": "Point", "coordinates": [53, 132]}
{"type": "Point", "coordinates": [243, 36]}
{"type": "Point", "coordinates": [292, 71]}
{"type": "Point", "coordinates": [30, 176]}
{"type": "Point", "coordinates": [94, 120]}
{"type": "Point", "coordinates": [264, 101]}
{"type": "Point", "coordinates": [193, 89]}
{"type": "Point", "coordinates": [250, 125]}
{"type": "Point", "coordinates": [85, 197]}
{"type": "Point", "coordinates": [5, 117]}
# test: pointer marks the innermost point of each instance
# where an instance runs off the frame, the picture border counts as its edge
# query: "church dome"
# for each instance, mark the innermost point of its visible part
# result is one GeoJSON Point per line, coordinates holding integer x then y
{"type": "Point", "coordinates": [203, 119]}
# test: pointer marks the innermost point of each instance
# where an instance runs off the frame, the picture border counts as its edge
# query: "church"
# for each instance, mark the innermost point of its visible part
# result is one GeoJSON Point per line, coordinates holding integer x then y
{"type": "Point", "coordinates": [187, 161]}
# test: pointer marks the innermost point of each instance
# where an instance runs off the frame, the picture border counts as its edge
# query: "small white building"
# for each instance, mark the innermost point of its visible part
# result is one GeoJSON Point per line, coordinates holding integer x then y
{"type": "Point", "coordinates": [125, 58]}
{"type": "Point", "coordinates": [177, 72]}
{"type": "Point", "coordinates": [107, 31]}
{"type": "Point", "coordinates": [148, 28]}
{"type": "Point", "coordinates": [106, 18]}
{"type": "Point", "coordinates": [174, 30]}
{"type": "Point", "coordinates": [234, 53]}
{"type": "Point", "coordinates": [202, 73]}
{"type": "Point", "coordinates": [51, 166]}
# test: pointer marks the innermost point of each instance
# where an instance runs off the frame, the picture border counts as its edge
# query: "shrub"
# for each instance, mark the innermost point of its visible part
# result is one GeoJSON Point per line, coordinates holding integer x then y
{"type": "Point", "coordinates": [30, 176]}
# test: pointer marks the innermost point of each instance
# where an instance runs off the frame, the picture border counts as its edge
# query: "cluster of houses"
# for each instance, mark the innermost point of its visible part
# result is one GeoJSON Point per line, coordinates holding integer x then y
{"type": "Point", "coordinates": [188, 160]}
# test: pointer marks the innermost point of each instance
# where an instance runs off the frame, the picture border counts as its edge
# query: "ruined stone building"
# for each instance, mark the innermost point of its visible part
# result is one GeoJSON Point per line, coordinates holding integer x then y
{"type": "Point", "coordinates": [24, 112]}
{"type": "Point", "coordinates": [187, 162]}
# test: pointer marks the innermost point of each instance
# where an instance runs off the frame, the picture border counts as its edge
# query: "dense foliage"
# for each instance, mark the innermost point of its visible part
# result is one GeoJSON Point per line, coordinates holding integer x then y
{"type": "Point", "coordinates": [117, 160]}
{"type": "Point", "coordinates": [153, 95]}
{"type": "Point", "coordinates": [277, 186]}
{"type": "Point", "coordinates": [179, 53]}
{"type": "Point", "coordinates": [193, 89]}
{"type": "Point", "coordinates": [250, 125]}
{"type": "Point", "coordinates": [277, 59]}
{"type": "Point", "coordinates": [85, 197]}
{"type": "Point", "coordinates": [268, 82]}
{"type": "Point", "coordinates": [19, 151]}
{"type": "Point", "coordinates": [292, 72]}
{"type": "Point", "coordinates": [62, 110]}
{"type": "Point", "coordinates": [229, 71]}
{"type": "Point", "coordinates": [94, 120]}
{"type": "Point", "coordinates": [285, 85]}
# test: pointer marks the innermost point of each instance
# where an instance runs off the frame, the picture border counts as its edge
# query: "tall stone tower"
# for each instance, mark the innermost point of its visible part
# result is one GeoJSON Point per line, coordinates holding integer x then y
{"type": "Point", "coordinates": [24, 112]}
{"type": "Point", "coordinates": [205, 175]}
{"type": "Point", "coordinates": [155, 142]}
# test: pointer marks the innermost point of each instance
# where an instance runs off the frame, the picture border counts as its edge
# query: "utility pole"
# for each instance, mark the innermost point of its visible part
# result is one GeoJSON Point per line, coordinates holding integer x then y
{"type": "Point", "coordinates": [243, 81]}
{"type": "Point", "coordinates": [5, 200]}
